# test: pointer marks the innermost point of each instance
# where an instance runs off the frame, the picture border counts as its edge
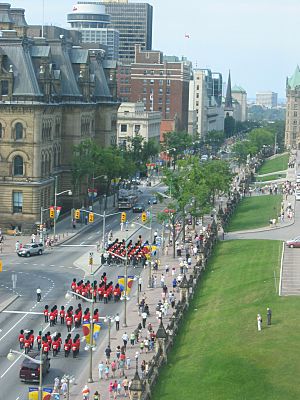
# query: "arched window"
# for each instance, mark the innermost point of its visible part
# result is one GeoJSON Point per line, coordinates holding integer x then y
{"type": "Point", "coordinates": [19, 130]}
{"type": "Point", "coordinates": [18, 166]}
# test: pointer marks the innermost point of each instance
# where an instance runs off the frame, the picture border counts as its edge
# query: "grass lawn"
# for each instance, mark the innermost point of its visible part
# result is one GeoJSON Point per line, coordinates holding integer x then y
{"type": "Point", "coordinates": [279, 163]}
{"type": "Point", "coordinates": [255, 212]}
{"type": "Point", "coordinates": [219, 354]}
{"type": "Point", "coordinates": [269, 177]}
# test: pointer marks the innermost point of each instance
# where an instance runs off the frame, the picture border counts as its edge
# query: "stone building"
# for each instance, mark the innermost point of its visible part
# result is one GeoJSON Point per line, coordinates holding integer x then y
{"type": "Point", "coordinates": [292, 125]}
{"type": "Point", "coordinates": [133, 120]}
{"type": "Point", "coordinates": [53, 95]}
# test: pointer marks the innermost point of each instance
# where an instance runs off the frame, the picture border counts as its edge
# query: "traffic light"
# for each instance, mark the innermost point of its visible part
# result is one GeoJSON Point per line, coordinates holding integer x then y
{"type": "Point", "coordinates": [144, 217]}
{"type": "Point", "coordinates": [77, 214]}
{"type": "Point", "coordinates": [91, 217]}
{"type": "Point", "coordinates": [52, 212]}
{"type": "Point", "coordinates": [123, 217]}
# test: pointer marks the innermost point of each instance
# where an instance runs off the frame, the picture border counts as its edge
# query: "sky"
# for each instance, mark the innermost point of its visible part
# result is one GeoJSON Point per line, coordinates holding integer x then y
{"type": "Point", "coordinates": [257, 40]}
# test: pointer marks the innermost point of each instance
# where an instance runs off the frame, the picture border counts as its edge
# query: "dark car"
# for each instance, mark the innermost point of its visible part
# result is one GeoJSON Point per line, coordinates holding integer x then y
{"type": "Point", "coordinates": [293, 242]}
{"type": "Point", "coordinates": [30, 372]}
{"type": "Point", "coordinates": [31, 249]}
{"type": "Point", "coordinates": [152, 200]}
{"type": "Point", "coordinates": [138, 208]}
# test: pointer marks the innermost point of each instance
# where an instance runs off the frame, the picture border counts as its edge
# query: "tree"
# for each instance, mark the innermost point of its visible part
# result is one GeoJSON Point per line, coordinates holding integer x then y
{"type": "Point", "coordinates": [229, 126]}
{"type": "Point", "coordinates": [176, 143]}
{"type": "Point", "coordinates": [242, 149]}
{"type": "Point", "coordinates": [218, 178]}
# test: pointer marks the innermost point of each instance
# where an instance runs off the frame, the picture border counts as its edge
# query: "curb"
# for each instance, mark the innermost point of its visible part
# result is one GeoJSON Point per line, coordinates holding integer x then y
{"type": "Point", "coordinates": [262, 229]}
{"type": "Point", "coordinates": [8, 302]}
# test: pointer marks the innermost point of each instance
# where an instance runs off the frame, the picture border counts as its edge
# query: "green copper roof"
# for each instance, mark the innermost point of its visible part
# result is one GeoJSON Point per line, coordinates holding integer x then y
{"type": "Point", "coordinates": [237, 88]}
{"type": "Point", "coordinates": [294, 80]}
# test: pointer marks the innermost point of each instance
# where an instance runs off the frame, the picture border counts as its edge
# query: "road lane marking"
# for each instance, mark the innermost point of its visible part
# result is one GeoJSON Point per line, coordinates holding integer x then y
{"type": "Point", "coordinates": [82, 243]}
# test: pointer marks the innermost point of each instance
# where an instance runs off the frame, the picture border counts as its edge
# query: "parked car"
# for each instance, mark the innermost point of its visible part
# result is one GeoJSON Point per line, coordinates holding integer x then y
{"type": "Point", "coordinates": [138, 208]}
{"type": "Point", "coordinates": [30, 372]}
{"type": "Point", "coordinates": [293, 242]}
{"type": "Point", "coordinates": [31, 249]}
{"type": "Point", "coordinates": [152, 200]}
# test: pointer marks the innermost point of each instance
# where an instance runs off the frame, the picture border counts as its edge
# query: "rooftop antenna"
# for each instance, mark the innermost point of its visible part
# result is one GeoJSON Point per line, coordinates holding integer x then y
{"type": "Point", "coordinates": [43, 18]}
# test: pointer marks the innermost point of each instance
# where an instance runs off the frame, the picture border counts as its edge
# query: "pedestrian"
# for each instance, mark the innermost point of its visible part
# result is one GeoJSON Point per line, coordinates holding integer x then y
{"type": "Point", "coordinates": [106, 372]}
{"type": "Point", "coordinates": [128, 362]}
{"type": "Point", "coordinates": [100, 370]}
{"type": "Point", "coordinates": [144, 319]}
{"type": "Point", "coordinates": [17, 246]}
{"type": "Point", "coordinates": [125, 384]}
{"type": "Point", "coordinates": [107, 353]}
{"type": "Point", "coordinates": [125, 339]}
{"type": "Point", "coordinates": [56, 385]}
{"type": "Point", "coordinates": [269, 316]}
{"type": "Point", "coordinates": [259, 322]}
{"type": "Point", "coordinates": [162, 280]}
{"type": "Point", "coordinates": [96, 396]}
{"type": "Point", "coordinates": [117, 319]}
{"type": "Point", "coordinates": [132, 339]}
{"type": "Point", "coordinates": [140, 283]}
{"type": "Point", "coordinates": [85, 393]}
{"type": "Point", "coordinates": [113, 368]}
{"type": "Point", "coordinates": [64, 388]}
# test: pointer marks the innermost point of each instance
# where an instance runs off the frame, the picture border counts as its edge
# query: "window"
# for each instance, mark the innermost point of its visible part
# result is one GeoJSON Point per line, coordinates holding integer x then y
{"type": "Point", "coordinates": [161, 82]}
{"type": "Point", "coordinates": [123, 128]}
{"type": "Point", "coordinates": [18, 166]}
{"type": "Point", "coordinates": [17, 202]}
{"type": "Point", "coordinates": [1, 131]}
{"type": "Point", "coordinates": [137, 129]}
{"type": "Point", "coordinates": [19, 131]}
{"type": "Point", "coordinates": [152, 81]}
{"type": "Point", "coordinates": [295, 113]}
{"type": "Point", "coordinates": [168, 82]}
{"type": "Point", "coordinates": [4, 88]}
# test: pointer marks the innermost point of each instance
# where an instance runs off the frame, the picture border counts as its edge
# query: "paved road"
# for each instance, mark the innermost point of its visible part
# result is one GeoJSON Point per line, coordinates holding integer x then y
{"type": "Point", "coordinates": [53, 272]}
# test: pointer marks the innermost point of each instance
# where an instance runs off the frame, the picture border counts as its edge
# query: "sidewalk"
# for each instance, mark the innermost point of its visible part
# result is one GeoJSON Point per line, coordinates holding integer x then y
{"type": "Point", "coordinates": [152, 297]}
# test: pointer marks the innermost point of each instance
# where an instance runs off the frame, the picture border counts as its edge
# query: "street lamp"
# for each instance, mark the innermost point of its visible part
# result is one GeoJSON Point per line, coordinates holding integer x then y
{"type": "Point", "coordinates": [137, 279]}
{"type": "Point", "coordinates": [94, 178]}
{"type": "Point", "coordinates": [55, 201]}
{"type": "Point", "coordinates": [69, 380]}
{"type": "Point", "coordinates": [110, 320]}
{"type": "Point", "coordinates": [68, 296]}
{"type": "Point", "coordinates": [125, 277]}
{"type": "Point", "coordinates": [11, 357]}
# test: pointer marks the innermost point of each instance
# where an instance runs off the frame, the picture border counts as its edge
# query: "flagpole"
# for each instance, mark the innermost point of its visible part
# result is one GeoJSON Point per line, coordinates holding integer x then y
{"type": "Point", "coordinates": [43, 18]}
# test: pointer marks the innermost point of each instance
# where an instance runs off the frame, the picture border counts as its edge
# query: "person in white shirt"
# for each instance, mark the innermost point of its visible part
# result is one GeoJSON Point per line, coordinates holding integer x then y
{"type": "Point", "coordinates": [125, 339]}
{"type": "Point", "coordinates": [144, 319]}
{"type": "Point", "coordinates": [117, 319]}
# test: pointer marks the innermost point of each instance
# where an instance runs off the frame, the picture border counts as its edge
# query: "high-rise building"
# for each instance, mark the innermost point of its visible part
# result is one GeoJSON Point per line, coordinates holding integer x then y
{"type": "Point", "coordinates": [134, 23]}
{"type": "Point", "coordinates": [161, 85]}
{"type": "Point", "coordinates": [92, 21]}
{"type": "Point", "coordinates": [267, 99]}
{"type": "Point", "coordinates": [205, 102]}
{"type": "Point", "coordinates": [292, 126]}
{"type": "Point", "coordinates": [239, 96]}
{"type": "Point", "coordinates": [54, 94]}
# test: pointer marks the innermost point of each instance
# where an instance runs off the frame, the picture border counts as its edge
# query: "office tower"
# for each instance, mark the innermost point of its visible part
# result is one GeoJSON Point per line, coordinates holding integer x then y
{"type": "Point", "coordinates": [92, 21]}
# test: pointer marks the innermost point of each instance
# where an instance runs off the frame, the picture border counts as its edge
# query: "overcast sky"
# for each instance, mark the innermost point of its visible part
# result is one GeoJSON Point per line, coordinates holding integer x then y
{"type": "Point", "coordinates": [256, 39]}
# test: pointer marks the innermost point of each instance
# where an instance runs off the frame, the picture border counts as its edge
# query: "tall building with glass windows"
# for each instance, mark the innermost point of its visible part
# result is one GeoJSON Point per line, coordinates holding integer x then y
{"type": "Point", "coordinates": [134, 23]}
{"type": "Point", "coordinates": [91, 20]}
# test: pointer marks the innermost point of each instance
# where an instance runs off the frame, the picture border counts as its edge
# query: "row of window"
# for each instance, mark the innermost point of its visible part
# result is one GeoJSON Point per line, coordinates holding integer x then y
{"type": "Point", "coordinates": [18, 131]}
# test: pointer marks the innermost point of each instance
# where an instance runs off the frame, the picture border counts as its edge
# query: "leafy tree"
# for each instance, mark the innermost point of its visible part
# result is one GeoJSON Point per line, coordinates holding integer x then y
{"type": "Point", "coordinates": [176, 143]}
{"type": "Point", "coordinates": [229, 126]}
{"type": "Point", "coordinates": [242, 149]}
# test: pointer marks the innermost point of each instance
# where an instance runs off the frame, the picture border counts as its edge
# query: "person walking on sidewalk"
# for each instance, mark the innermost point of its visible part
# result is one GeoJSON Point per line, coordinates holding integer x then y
{"type": "Point", "coordinates": [125, 339]}
{"type": "Point", "coordinates": [100, 370]}
{"type": "Point", "coordinates": [144, 319]}
{"type": "Point", "coordinates": [117, 319]}
{"type": "Point", "coordinates": [85, 393]}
